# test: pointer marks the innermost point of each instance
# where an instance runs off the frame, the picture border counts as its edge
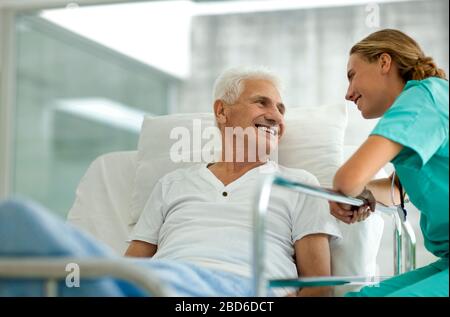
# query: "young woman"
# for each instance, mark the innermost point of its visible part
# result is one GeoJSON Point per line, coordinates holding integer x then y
{"type": "Point", "coordinates": [391, 77]}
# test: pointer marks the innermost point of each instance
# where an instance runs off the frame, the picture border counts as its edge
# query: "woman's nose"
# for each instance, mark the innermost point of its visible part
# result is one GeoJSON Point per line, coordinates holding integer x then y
{"type": "Point", "coordinates": [350, 94]}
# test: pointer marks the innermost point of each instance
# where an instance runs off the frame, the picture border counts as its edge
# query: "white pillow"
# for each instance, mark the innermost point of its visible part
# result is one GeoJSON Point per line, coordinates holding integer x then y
{"type": "Point", "coordinates": [154, 148]}
{"type": "Point", "coordinates": [313, 141]}
{"type": "Point", "coordinates": [356, 253]}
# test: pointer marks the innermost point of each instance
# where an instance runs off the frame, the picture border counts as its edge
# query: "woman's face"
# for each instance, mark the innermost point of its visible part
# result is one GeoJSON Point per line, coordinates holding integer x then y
{"type": "Point", "coordinates": [368, 86]}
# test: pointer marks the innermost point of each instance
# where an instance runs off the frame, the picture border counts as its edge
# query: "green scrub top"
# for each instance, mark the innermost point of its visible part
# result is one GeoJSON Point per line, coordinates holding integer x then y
{"type": "Point", "coordinates": [418, 119]}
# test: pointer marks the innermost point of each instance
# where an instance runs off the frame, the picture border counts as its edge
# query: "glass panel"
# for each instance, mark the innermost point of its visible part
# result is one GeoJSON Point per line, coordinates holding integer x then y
{"type": "Point", "coordinates": [76, 100]}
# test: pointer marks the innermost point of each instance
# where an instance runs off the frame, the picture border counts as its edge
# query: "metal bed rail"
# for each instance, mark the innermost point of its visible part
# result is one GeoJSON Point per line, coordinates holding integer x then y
{"type": "Point", "coordinates": [402, 230]}
{"type": "Point", "coordinates": [53, 269]}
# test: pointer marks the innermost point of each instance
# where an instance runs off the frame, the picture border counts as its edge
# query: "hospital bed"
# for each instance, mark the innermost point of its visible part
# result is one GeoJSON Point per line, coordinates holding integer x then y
{"type": "Point", "coordinates": [108, 196]}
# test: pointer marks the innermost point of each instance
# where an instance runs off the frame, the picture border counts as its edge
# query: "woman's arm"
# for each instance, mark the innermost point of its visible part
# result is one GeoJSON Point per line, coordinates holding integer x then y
{"type": "Point", "coordinates": [382, 190]}
{"type": "Point", "coordinates": [358, 171]}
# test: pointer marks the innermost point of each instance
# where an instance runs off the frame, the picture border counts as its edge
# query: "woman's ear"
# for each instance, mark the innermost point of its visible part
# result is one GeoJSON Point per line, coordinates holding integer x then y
{"type": "Point", "coordinates": [385, 62]}
{"type": "Point", "coordinates": [219, 112]}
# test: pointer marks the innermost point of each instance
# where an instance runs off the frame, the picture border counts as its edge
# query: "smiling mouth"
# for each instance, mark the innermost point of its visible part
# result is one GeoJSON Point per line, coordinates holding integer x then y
{"type": "Point", "coordinates": [272, 130]}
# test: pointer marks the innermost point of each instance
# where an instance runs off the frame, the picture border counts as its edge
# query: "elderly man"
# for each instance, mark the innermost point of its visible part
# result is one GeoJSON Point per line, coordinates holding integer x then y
{"type": "Point", "coordinates": [202, 215]}
{"type": "Point", "coordinates": [196, 225]}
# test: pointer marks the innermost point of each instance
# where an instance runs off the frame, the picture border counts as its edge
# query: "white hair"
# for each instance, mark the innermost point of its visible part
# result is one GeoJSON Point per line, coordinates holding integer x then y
{"type": "Point", "coordinates": [229, 85]}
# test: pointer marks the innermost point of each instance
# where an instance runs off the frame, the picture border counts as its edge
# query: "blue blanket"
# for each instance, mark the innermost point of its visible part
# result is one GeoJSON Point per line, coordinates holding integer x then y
{"type": "Point", "coordinates": [28, 230]}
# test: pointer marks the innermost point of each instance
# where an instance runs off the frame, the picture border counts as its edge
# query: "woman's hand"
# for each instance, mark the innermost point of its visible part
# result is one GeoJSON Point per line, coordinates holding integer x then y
{"type": "Point", "coordinates": [361, 214]}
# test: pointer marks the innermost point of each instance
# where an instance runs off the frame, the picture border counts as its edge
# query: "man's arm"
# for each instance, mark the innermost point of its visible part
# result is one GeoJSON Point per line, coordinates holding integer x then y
{"type": "Point", "coordinates": [141, 249]}
{"type": "Point", "coordinates": [312, 254]}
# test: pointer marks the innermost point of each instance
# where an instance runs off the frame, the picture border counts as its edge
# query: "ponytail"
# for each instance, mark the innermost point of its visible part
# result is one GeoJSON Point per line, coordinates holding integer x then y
{"type": "Point", "coordinates": [426, 67]}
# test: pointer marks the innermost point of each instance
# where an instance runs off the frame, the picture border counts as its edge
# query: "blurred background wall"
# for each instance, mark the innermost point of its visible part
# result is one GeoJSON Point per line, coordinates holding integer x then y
{"type": "Point", "coordinates": [61, 79]}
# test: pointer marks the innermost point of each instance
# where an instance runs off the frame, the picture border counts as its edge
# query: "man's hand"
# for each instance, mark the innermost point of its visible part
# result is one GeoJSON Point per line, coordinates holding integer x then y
{"type": "Point", "coordinates": [351, 214]}
{"type": "Point", "coordinates": [341, 211]}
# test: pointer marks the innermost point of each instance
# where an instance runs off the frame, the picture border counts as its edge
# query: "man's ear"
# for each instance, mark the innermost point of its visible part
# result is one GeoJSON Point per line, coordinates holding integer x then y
{"type": "Point", "coordinates": [219, 112]}
{"type": "Point", "coordinates": [385, 62]}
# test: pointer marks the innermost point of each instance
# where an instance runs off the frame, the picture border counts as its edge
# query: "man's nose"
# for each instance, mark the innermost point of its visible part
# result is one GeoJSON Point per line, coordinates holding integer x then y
{"type": "Point", "coordinates": [273, 116]}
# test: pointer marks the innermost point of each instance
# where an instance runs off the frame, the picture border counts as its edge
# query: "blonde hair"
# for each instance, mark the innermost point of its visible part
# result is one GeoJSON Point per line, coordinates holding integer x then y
{"type": "Point", "coordinates": [411, 61]}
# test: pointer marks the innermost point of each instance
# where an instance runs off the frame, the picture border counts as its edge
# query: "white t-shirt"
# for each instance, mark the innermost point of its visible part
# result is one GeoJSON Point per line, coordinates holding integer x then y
{"type": "Point", "coordinates": [193, 217]}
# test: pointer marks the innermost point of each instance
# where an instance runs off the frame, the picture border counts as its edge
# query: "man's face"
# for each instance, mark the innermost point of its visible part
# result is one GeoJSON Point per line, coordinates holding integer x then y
{"type": "Point", "coordinates": [259, 108]}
